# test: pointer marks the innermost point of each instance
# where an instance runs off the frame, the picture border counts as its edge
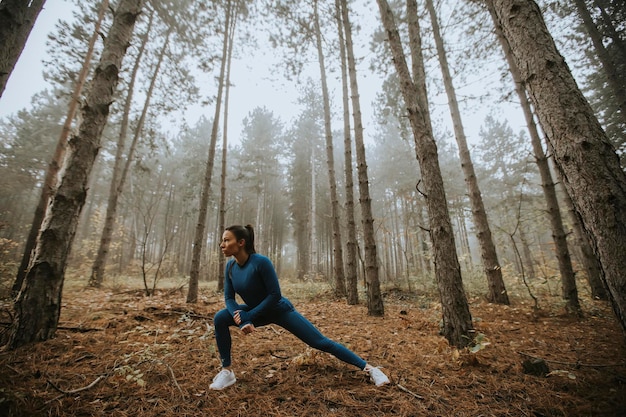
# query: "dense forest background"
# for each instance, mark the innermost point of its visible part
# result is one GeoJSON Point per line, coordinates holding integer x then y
{"type": "Point", "coordinates": [273, 169]}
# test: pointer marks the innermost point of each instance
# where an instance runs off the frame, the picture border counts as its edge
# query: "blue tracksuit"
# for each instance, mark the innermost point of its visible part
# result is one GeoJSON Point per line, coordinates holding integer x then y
{"type": "Point", "coordinates": [256, 283]}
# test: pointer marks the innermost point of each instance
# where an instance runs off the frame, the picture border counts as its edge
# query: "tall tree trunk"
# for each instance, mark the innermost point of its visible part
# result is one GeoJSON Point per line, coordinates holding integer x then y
{"type": "Point", "coordinates": [50, 180]}
{"type": "Point", "coordinates": [418, 71]}
{"type": "Point", "coordinates": [375, 305]}
{"type": "Point", "coordinates": [568, 277]}
{"type": "Point", "coordinates": [38, 305]}
{"type": "Point", "coordinates": [340, 281]}
{"type": "Point", "coordinates": [351, 258]}
{"type": "Point", "coordinates": [421, 235]}
{"type": "Point", "coordinates": [200, 236]}
{"type": "Point", "coordinates": [587, 161]}
{"type": "Point", "coordinates": [314, 240]}
{"type": "Point", "coordinates": [528, 263]}
{"type": "Point", "coordinates": [222, 204]}
{"type": "Point", "coordinates": [569, 291]}
{"type": "Point", "coordinates": [611, 71]}
{"type": "Point", "coordinates": [121, 173]}
{"type": "Point", "coordinates": [589, 261]}
{"type": "Point", "coordinates": [457, 321]}
{"type": "Point", "coordinates": [17, 18]}
{"type": "Point", "coordinates": [497, 290]}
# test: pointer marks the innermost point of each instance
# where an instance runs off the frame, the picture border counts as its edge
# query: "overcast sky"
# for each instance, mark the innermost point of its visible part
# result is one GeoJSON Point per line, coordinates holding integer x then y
{"type": "Point", "coordinates": [254, 79]}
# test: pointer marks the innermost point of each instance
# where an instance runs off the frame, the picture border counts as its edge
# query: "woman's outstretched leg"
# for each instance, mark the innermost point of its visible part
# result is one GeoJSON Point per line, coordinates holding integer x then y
{"type": "Point", "coordinates": [303, 329]}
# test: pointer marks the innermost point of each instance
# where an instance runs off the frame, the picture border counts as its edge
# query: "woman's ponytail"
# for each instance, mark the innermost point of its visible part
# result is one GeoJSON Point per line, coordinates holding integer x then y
{"type": "Point", "coordinates": [250, 240]}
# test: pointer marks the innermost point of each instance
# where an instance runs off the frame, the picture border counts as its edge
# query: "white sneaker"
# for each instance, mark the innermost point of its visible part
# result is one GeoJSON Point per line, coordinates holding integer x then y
{"type": "Point", "coordinates": [224, 379]}
{"type": "Point", "coordinates": [377, 376]}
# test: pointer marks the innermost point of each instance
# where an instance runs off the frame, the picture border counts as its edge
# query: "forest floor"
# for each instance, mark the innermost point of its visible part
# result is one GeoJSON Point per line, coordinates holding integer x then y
{"type": "Point", "coordinates": [120, 353]}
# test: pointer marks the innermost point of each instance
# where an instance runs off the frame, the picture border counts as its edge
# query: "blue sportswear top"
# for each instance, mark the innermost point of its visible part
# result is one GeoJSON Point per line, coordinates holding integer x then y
{"type": "Point", "coordinates": [256, 283]}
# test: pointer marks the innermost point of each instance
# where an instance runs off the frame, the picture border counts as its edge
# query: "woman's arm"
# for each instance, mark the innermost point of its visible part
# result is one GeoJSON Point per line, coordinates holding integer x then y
{"type": "Point", "coordinates": [267, 274]}
{"type": "Point", "coordinates": [229, 291]}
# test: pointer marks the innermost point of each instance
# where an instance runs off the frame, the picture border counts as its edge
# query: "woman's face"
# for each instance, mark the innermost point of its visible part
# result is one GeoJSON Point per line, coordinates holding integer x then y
{"type": "Point", "coordinates": [229, 245]}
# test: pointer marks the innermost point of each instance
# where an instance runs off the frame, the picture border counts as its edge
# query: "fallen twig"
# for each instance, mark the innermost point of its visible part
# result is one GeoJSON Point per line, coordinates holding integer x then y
{"type": "Point", "coordinates": [419, 397]}
{"type": "Point", "coordinates": [77, 390]}
{"type": "Point", "coordinates": [273, 329]}
{"type": "Point", "coordinates": [274, 354]}
{"type": "Point", "coordinates": [171, 371]}
{"type": "Point", "coordinates": [176, 289]}
{"type": "Point", "coordinates": [161, 312]}
{"type": "Point", "coordinates": [174, 378]}
{"type": "Point", "coordinates": [79, 329]}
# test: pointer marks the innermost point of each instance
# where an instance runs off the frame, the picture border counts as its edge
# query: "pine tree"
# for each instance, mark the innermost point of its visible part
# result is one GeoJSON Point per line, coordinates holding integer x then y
{"type": "Point", "coordinates": [587, 161]}
{"type": "Point", "coordinates": [38, 304]}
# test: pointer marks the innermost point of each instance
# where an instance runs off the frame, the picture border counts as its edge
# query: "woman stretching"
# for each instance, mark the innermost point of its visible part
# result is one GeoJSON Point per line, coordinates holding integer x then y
{"type": "Point", "coordinates": [253, 277]}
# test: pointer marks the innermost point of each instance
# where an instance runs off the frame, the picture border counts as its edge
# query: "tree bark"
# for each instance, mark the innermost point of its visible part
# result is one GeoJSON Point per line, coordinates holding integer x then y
{"type": "Point", "coordinates": [17, 18]}
{"type": "Point", "coordinates": [313, 232]}
{"type": "Point", "coordinates": [493, 271]}
{"type": "Point", "coordinates": [222, 204]}
{"type": "Point", "coordinates": [340, 281]}
{"type": "Point", "coordinates": [568, 277]}
{"type": "Point", "coordinates": [120, 173]}
{"type": "Point", "coordinates": [200, 236]}
{"type": "Point", "coordinates": [587, 161]}
{"type": "Point", "coordinates": [457, 321]}
{"type": "Point", "coordinates": [351, 257]}
{"type": "Point", "coordinates": [589, 261]}
{"type": "Point", "coordinates": [38, 305]}
{"type": "Point", "coordinates": [50, 180]}
{"type": "Point", "coordinates": [375, 305]}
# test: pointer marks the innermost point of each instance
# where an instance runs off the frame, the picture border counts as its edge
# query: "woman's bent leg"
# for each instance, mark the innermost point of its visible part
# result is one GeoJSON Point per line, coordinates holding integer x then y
{"type": "Point", "coordinates": [222, 322]}
{"type": "Point", "coordinates": [304, 330]}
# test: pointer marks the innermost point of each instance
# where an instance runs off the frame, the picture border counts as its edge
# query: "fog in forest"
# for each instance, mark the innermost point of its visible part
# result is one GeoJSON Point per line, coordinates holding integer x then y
{"type": "Point", "coordinates": [277, 175]}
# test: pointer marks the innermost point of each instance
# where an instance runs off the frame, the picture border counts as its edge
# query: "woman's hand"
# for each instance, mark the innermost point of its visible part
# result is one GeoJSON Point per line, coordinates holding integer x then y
{"type": "Point", "coordinates": [248, 328]}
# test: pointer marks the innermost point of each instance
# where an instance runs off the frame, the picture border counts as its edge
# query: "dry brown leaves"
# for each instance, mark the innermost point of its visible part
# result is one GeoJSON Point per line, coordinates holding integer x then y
{"type": "Point", "coordinates": [123, 354]}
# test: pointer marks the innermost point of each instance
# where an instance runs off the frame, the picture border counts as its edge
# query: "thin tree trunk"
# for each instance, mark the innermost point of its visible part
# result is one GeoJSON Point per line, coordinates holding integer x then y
{"type": "Point", "coordinates": [457, 321]}
{"type": "Point", "coordinates": [569, 291]}
{"type": "Point", "coordinates": [587, 161]}
{"type": "Point", "coordinates": [568, 277]}
{"type": "Point", "coordinates": [417, 60]}
{"type": "Point", "coordinates": [611, 71]}
{"type": "Point", "coordinates": [422, 240]}
{"type": "Point", "coordinates": [340, 282]}
{"type": "Point", "coordinates": [589, 261]}
{"type": "Point", "coordinates": [38, 305]}
{"type": "Point", "coordinates": [121, 173]}
{"type": "Point", "coordinates": [493, 271]}
{"type": "Point", "coordinates": [375, 305]}
{"type": "Point", "coordinates": [527, 257]}
{"type": "Point", "coordinates": [314, 240]}
{"type": "Point", "coordinates": [50, 180]}
{"type": "Point", "coordinates": [222, 204]}
{"type": "Point", "coordinates": [17, 18]}
{"type": "Point", "coordinates": [200, 236]}
{"type": "Point", "coordinates": [351, 256]}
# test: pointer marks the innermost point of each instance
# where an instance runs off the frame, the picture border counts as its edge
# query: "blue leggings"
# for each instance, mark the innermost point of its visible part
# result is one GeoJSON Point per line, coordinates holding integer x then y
{"type": "Point", "coordinates": [293, 322]}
